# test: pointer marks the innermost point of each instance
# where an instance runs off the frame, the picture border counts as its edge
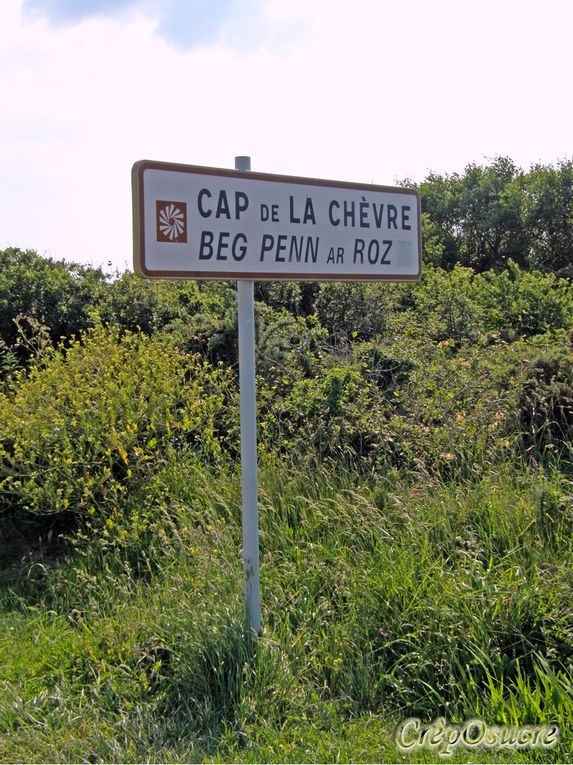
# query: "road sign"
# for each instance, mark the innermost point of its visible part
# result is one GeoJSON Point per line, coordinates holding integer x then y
{"type": "Point", "coordinates": [195, 222]}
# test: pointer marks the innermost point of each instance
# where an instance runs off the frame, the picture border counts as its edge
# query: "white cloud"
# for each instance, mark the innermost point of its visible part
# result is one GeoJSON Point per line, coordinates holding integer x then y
{"type": "Point", "coordinates": [183, 23]}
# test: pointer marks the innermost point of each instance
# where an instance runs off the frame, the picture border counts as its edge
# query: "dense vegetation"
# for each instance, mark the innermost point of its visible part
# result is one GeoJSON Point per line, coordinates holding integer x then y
{"type": "Point", "coordinates": [496, 213]}
{"type": "Point", "coordinates": [416, 498]}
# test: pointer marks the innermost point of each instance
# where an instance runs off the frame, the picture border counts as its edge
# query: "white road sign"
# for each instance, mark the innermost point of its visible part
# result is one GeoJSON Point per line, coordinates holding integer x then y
{"type": "Point", "coordinates": [206, 223]}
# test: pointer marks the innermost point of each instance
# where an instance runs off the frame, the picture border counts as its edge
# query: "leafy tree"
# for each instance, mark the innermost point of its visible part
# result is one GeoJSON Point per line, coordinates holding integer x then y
{"type": "Point", "coordinates": [548, 216]}
{"type": "Point", "coordinates": [57, 295]}
{"type": "Point", "coordinates": [476, 217]}
{"type": "Point", "coordinates": [440, 217]}
{"type": "Point", "coordinates": [491, 214]}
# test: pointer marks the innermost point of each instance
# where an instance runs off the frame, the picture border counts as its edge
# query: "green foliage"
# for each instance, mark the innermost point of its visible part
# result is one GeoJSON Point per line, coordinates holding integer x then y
{"type": "Point", "coordinates": [145, 305]}
{"type": "Point", "coordinates": [545, 406]}
{"type": "Point", "coordinates": [489, 203]}
{"type": "Point", "coordinates": [446, 307]}
{"type": "Point", "coordinates": [85, 429]}
{"type": "Point", "coordinates": [518, 303]}
{"type": "Point", "coordinates": [296, 297]}
{"type": "Point", "coordinates": [357, 311]}
{"type": "Point", "coordinates": [492, 214]}
{"type": "Point", "coordinates": [547, 209]}
{"type": "Point", "coordinates": [55, 294]}
{"type": "Point", "coordinates": [142, 305]}
{"type": "Point", "coordinates": [329, 415]}
{"type": "Point", "coordinates": [465, 307]}
{"type": "Point", "coordinates": [447, 408]}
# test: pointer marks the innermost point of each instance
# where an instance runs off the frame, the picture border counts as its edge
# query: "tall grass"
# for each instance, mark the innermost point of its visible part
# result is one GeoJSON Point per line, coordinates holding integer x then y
{"type": "Point", "coordinates": [381, 599]}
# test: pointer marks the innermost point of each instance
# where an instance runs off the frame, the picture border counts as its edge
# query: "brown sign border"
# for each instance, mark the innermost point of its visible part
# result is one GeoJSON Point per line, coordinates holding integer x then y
{"type": "Point", "coordinates": [140, 268]}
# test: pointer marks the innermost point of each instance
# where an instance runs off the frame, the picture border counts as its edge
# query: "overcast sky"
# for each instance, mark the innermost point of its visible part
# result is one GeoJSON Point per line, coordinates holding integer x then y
{"type": "Point", "coordinates": [371, 91]}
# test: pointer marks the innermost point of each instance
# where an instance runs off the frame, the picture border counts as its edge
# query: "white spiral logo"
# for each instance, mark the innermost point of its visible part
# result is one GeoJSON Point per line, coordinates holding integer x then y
{"type": "Point", "coordinates": [171, 222]}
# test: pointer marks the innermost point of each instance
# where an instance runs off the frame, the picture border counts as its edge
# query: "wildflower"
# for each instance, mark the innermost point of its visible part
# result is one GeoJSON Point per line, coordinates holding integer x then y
{"type": "Point", "coordinates": [382, 631]}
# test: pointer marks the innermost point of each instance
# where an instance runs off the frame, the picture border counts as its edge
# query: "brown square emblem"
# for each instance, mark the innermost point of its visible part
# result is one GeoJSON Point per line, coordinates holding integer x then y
{"type": "Point", "coordinates": [171, 219]}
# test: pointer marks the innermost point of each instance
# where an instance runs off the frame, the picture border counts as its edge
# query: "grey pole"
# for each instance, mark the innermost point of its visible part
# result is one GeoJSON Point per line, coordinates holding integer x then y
{"type": "Point", "coordinates": [248, 404]}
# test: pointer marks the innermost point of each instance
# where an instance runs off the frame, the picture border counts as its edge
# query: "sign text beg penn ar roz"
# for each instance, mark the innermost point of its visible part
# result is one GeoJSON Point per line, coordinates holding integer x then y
{"type": "Point", "coordinates": [346, 213]}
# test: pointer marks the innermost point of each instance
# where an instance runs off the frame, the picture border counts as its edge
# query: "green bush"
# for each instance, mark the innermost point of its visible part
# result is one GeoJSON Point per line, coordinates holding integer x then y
{"type": "Point", "coordinates": [97, 419]}
{"type": "Point", "coordinates": [545, 405]}
{"type": "Point", "coordinates": [56, 295]}
{"type": "Point", "coordinates": [358, 311]}
{"type": "Point", "coordinates": [445, 306]}
{"type": "Point", "coordinates": [337, 415]}
{"type": "Point", "coordinates": [146, 305]}
{"type": "Point", "coordinates": [518, 303]}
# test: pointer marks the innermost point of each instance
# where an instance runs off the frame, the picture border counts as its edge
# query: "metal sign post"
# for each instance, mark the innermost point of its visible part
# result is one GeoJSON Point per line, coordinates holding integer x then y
{"type": "Point", "coordinates": [248, 404]}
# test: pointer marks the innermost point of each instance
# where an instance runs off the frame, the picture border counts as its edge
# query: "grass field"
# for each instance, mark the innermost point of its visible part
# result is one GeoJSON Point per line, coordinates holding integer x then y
{"type": "Point", "coordinates": [381, 600]}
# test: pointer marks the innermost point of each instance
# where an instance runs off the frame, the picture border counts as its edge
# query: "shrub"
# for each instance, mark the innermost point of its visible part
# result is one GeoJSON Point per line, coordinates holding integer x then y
{"type": "Point", "coordinates": [545, 405]}
{"type": "Point", "coordinates": [146, 305]}
{"type": "Point", "coordinates": [94, 421]}
{"type": "Point", "coordinates": [445, 305]}
{"type": "Point", "coordinates": [55, 294]}
{"type": "Point", "coordinates": [359, 310]}
{"type": "Point", "coordinates": [518, 303]}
